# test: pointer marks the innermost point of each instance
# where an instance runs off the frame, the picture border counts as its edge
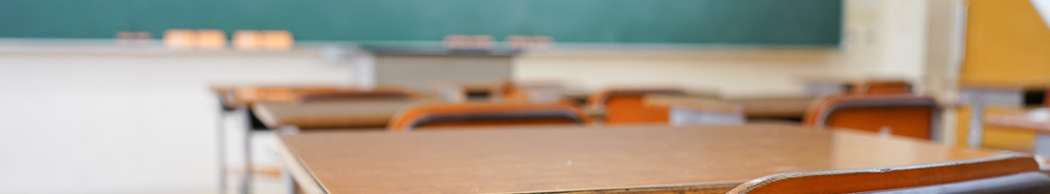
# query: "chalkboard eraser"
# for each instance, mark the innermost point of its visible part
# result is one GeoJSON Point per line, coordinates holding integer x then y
{"type": "Point", "coordinates": [468, 42]}
{"type": "Point", "coordinates": [247, 40]}
{"type": "Point", "coordinates": [133, 38]}
{"type": "Point", "coordinates": [519, 42]}
{"type": "Point", "coordinates": [180, 39]}
{"type": "Point", "coordinates": [279, 40]}
{"type": "Point", "coordinates": [211, 39]}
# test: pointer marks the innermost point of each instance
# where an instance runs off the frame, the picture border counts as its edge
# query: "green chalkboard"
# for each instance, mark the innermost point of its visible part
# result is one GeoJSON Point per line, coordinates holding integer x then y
{"type": "Point", "coordinates": [736, 22]}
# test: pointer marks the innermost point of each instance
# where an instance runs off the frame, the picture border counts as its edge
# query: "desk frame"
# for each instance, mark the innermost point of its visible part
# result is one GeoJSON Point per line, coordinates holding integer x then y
{"type": "Point", "coordinates": [241, 113]}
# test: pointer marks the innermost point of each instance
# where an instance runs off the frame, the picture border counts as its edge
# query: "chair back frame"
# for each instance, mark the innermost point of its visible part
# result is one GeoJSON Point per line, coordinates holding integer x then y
{"type": "Point", "coordinates": [821, 111]}
{"type": "Point", "coordinates": [875, 179]}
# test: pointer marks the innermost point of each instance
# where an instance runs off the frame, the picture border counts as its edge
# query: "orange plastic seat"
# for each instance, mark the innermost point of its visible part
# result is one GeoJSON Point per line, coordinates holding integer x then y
{"type": "Point", "coordinates": [999, 174]}
{"type": "Point", "coordinates": [627, 106]}
{"type": "Point", "coordinates": [904, 115]}
{"type": "Point", "coordinates": [485, 114]}
{"type": "Point", "coordinates": [882, 87]}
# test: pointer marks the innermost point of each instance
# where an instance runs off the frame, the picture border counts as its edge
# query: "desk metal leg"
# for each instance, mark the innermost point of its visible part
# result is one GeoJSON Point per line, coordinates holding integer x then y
{"type": "Point", "coordinates": [976, 129]}
{"type": "Point", "coordinates": [246, 180]}
{"type": "Point", "coordinates": [1042, 144]}
{"type": "Point", "coordinates": [221, 149]}
{"type": "Point", "coordinates": [290, 185]}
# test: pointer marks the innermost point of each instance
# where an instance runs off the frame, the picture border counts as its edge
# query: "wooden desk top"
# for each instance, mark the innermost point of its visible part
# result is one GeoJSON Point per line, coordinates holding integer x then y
{"type": "Point", "coordinates": [352, 114]}
{"type": "Point", "coordinates": [699, 104]}
{"type": "Point", "coordinates": [243, 96]}
{"type": "Point", "coordinates": [704, 159]}
{"type": "Point", "coordinates": [774, 106]}
{"type": "Point", "coordinates": [1018, 120]}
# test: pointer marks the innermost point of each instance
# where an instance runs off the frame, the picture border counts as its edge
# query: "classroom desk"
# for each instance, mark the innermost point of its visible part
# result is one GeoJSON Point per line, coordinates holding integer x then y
{"type": "Point", "coordinates": [698, 111]}
{"type": "Point", "coordinates": [580, 97]}
{"type": "Point", "coordinates": [419, 70]}
{"type": "Point", "coordinates": [777, 107]}
{"type": "Point", "coordinates": [978, 97]}
{"type": "Point", "coordinates": [598, 112]}
{"type": "Point", "coordinates": [709, 159]}
{"type": "Point", "coordinates": [822, 84]}
{"type": "Point", "coordinates": [348, 114]}
{"type": "Point", "coordinates": [237, 103]}
{"type": "Point", "coordinates": [461, 91]}
{"type": "Point", "coordinates": [234, 97]}
{"type": "Point", "coordinates": [1022, 121]}
{"type": "Point", "coordinates": [240, 100]}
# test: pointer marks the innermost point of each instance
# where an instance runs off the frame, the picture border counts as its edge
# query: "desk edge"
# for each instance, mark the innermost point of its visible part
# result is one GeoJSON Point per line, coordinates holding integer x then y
{"type": "Point", "coordinates": [302, 176]}
{"type": "Point", "coordinates": [712, 188]}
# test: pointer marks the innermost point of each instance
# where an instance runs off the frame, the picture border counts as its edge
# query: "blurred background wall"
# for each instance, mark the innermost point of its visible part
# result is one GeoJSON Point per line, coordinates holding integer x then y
{"type": "Point", "coordinates": [95, 119]}
{"type": "Point", "coordinates": [61, 97]}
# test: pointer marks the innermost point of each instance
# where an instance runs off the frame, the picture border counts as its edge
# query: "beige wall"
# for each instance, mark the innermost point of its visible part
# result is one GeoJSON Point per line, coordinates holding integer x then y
{"type": "Point", "coordinates": [885, 38]}
{"type": "Point", "coordinates": [882, 38]}
{"type": "Point", "coordinates": [944, 43]}
{"type": "Point", "coordinates": [66, 101]}
{"type": "Point", "coordinates": [741, 71]}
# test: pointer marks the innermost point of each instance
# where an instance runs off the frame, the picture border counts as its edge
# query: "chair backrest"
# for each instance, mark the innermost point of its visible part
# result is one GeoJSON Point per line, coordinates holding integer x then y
{"type": "Point", "coordinates": [985, 174]}
{"type": "Point", "coordinates": [627, 106]}
{"type": "Point", "coordinates": [904, 115]}
{"type": "Point", "coordinates": [1028, 182]}
{"type": "Point", "coordinates": [882, 87]}
{"type": "Point", "coordinates": [479, 114]}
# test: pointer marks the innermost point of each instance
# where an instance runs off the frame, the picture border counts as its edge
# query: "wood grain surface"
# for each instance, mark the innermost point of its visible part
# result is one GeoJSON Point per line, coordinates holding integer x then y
{"type": "Point", "coordinates": [774, 106]}
{"type": "Point", "coordinates": [581, 159]}
{"type": "Point", "coordinates": [346, 114]}
{"type": "Point", "coordinates": [1018, 120]}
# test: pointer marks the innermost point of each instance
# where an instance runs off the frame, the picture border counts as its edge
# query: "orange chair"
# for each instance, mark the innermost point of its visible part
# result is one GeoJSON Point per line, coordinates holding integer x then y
{"type": "Point", "coordinates": [904, 115]}
{"type": "Point", "coordinates": [477, 114]}
{"type": "Point", "coordinates": [1000, 174]}
{"type": "Point", "coordinates": [882, 87]}
{"type": "Point", "coordinates": [626, 106]}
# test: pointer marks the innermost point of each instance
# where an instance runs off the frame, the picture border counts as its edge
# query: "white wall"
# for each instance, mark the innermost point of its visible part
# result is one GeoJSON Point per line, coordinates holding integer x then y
{"type": "Point", "coordinates": [83, 119]}
{"type": "Point", "coordinates": [882, 39]}
{"type": "Point", "coordinates": [88, 119]}
{"type": "Point", "coordinates": [885, 38]}
{"type": "Point", "coordinates": [729, 71]}
{"type": "Point", "coordinates": [944, 49]}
